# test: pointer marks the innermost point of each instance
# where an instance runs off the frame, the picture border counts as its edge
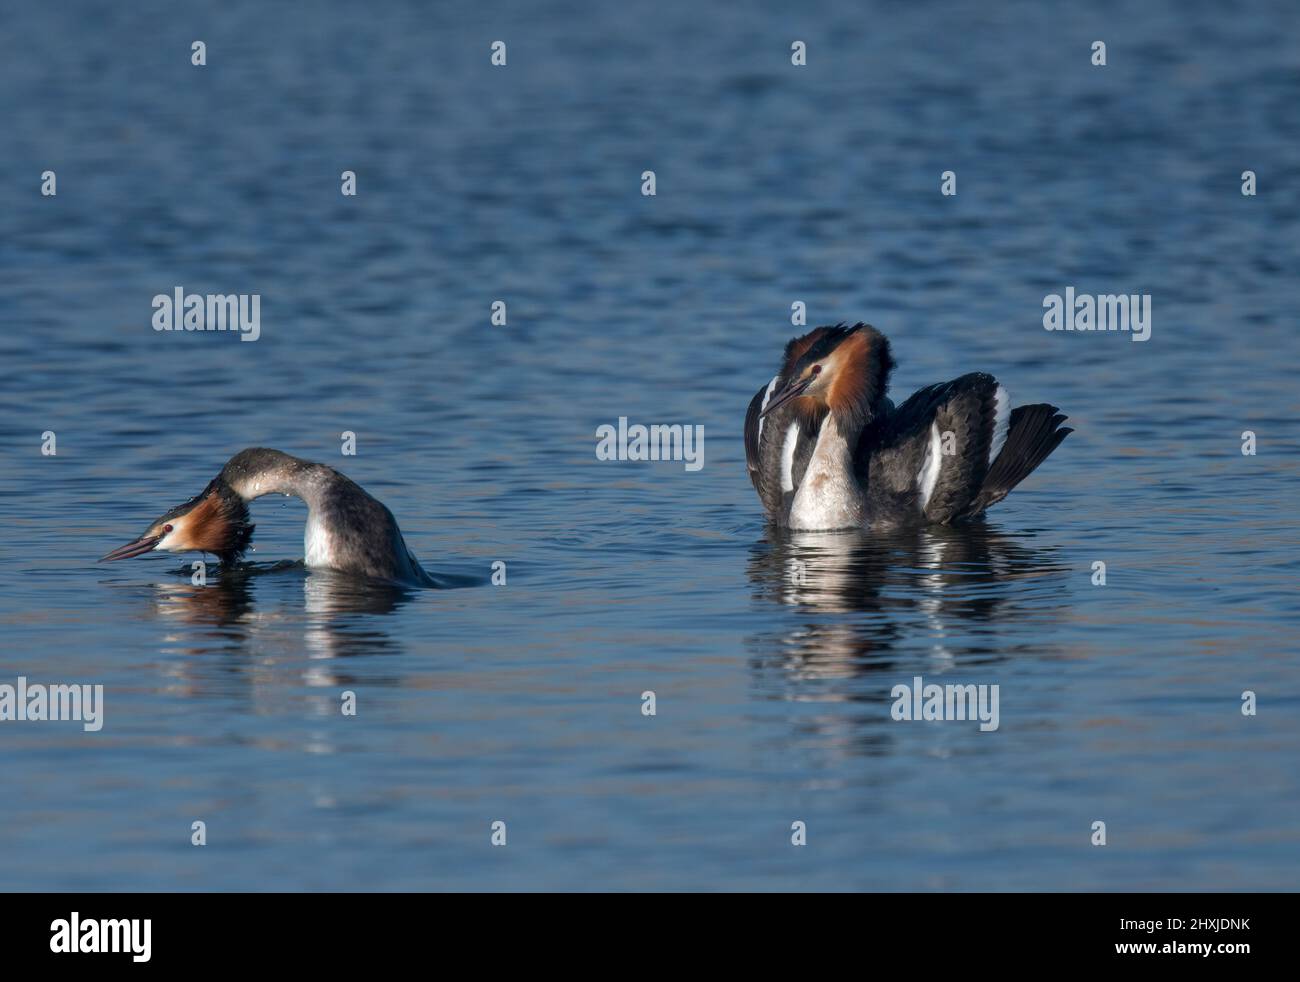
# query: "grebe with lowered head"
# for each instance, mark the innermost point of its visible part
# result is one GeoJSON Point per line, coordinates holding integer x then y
{"type": "Point", "coordinates": [347, 530]}
{"type": "Point", "coordinates": [827, 450]}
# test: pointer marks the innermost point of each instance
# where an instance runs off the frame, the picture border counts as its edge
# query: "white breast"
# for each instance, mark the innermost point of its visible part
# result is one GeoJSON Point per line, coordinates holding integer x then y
{"type": "Point", "coordinates": [829, 496]}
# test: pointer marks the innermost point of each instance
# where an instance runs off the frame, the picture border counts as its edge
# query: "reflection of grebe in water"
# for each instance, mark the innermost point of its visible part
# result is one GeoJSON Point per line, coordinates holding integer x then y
{"type": "Point", "coordinates": [229, 600]}
{"type": "Point", "coordinates": [849, 615]}
{"type": "Point", "coordinates": [220, 637]}
{"type": "Point", "coordinates": [347, 530]}
{"type": "Point", "coordinates": [913, 590]}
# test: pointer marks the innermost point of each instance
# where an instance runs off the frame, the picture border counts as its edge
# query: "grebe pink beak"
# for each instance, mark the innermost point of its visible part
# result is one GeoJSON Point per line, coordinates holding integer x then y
{"type": "Point", "coordinates": [139, 547]}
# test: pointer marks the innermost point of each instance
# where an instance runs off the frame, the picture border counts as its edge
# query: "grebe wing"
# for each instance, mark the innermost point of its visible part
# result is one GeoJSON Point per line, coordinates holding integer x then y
{"type": "Point", "coordinates": [753, 431]}
{"type": "Point", "coordinates": [949, 447]}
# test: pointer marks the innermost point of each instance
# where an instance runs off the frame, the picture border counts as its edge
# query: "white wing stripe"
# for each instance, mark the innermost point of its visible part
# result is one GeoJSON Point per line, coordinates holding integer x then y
{"type": "Point", "coordinates": [787, 457]}
{"type": "Point", "coordinates": [767, 397]}
{"type": "Point", "coordinates": [929, 475]}
{"type": "Point", "coordinates": [1001, 419]}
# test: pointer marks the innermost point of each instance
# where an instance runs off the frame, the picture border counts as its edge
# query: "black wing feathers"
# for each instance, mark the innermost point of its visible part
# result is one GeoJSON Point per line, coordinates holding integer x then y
{"type": "Point", "coordinates": [751, 435]}
{"type": "Point", "coordinates": [1033, 433]}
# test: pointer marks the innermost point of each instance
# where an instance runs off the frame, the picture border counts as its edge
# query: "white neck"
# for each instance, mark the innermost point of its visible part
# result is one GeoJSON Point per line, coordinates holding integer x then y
{"type": "Point", "coordinates": [829, 496]}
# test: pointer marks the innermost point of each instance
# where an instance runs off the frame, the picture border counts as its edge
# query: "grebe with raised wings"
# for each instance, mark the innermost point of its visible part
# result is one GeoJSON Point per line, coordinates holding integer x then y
{"type": "Point", "coordinates": [347, 530]}
{"type": "Point", "coordinates": [827, 450]}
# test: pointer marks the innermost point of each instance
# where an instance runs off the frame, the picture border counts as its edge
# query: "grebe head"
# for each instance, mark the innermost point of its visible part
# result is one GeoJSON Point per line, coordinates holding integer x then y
{"type": "Point", "coordinates": [215, 521]}
{"type": "Point", "coordinates": [840, 369]}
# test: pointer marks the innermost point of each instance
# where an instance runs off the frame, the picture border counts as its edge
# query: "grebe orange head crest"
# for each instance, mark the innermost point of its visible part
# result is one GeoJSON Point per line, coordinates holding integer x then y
{"type": "Point", "coordinates": [215, 521]}
{"type": "Point", "coordinates": [838, 369]}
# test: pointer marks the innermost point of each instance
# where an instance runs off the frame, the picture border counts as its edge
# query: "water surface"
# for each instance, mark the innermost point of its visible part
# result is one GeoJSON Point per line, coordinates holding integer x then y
{"type": "Point", "coordinates": [522, 703]}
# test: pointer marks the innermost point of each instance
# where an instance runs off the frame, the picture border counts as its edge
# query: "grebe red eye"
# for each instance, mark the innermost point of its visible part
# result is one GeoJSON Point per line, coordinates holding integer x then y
{"type": "Point", "coordinates": [167, 528]}
{"type": "Point", "coordinates": [816, 369]}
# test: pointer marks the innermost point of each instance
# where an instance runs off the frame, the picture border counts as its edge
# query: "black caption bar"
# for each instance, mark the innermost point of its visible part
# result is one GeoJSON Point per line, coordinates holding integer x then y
{"type": "Point", "coordinates": [146, 932]}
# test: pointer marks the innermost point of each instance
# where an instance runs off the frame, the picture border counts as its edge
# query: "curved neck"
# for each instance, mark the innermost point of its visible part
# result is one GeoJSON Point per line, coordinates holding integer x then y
{"type": "Point", "coordinates": [254, 473]}
{"type": "Point", "coordinates": [346, 530]}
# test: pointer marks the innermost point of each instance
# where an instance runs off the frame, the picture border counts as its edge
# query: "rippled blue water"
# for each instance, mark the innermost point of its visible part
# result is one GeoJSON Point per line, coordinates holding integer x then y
{"type": "Point", "coordinates": [521, 703]}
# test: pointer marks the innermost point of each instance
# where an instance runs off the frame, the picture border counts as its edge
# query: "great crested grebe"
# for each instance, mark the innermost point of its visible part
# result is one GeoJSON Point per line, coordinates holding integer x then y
{"type": "Point", "coordinates": [347, 530]}
{"type": "Point", "coordinates": [827, 450]}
